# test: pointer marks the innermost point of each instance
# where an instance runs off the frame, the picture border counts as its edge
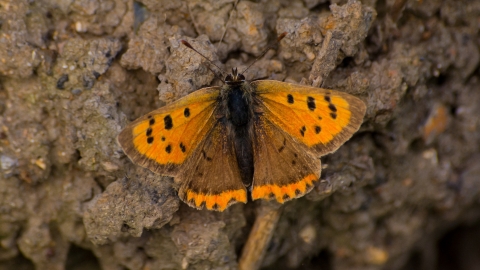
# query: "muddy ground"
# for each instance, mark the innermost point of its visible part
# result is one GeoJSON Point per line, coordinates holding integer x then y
{"type": "Point", "coordinates": [403, 193]}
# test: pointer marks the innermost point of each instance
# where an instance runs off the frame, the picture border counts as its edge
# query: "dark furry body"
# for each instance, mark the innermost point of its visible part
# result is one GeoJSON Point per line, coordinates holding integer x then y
{"type": "Point", "coordinates": [237, 101]}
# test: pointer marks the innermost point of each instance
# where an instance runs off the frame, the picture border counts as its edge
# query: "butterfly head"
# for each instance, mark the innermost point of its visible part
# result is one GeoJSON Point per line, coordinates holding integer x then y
{"type": "Point", "coordinates": [234, 78]}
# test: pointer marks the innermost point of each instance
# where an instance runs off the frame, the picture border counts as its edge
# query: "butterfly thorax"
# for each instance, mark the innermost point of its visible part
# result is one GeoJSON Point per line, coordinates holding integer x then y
{"type": "Point", "coordinates": [237, 99]}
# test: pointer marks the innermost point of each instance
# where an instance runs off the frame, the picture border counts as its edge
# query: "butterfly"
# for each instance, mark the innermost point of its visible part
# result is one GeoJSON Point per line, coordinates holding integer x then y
{"type": "Point", "coordinates": [260, 139]}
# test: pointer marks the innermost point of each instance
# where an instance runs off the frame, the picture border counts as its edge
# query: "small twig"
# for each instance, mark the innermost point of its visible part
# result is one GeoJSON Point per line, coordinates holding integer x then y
{"type": "Point", "coordinates": [193, 19]}
{"type": "Point", "coordinates": [228, 21]}
{"type": "Point", "coordinates": [397, 9]}
{"type": "Point", "coordinates": [260, 236]}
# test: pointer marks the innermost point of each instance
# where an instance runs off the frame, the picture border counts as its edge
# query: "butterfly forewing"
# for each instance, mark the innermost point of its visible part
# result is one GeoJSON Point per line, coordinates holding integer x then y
{"type": "Point", "coordinates": [163, 139]}
{"type": "Point", "coordinates": [319, 118]}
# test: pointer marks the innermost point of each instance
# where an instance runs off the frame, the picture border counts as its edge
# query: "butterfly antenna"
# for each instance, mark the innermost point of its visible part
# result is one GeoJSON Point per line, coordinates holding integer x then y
{"type": "Point", "coordinates": [184, 42]}
{"type": "Point", "coordinates": [228, 21]}
{"type": "Point", "coordinates": [279, 38]}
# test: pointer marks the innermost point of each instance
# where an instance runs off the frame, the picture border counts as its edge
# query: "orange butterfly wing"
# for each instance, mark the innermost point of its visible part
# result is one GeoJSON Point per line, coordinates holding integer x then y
{"type": "Point", "coordinates": [182, 140]}
{"type": "Point", "coordinates": [162, 139]}
{"type": "Point", "coordinates": [297, 125]}
{"type": "Point", "coordinates": [319, 118]}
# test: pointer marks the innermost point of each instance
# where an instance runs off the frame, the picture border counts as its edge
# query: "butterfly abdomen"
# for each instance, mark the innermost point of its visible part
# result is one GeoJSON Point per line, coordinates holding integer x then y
{"type": "Point", "coordinates": [240, 119]}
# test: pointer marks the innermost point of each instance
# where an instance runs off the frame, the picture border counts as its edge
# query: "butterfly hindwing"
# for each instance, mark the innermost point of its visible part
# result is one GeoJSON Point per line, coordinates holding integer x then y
{"type": "Point", "coordinates": [163, 139]}
{"type": "Point", "coordinates": [213, 179]}
{"type": "Point", "coordinates": [284, 169]}
{"type": "Point", "coordinates": [321, 119]}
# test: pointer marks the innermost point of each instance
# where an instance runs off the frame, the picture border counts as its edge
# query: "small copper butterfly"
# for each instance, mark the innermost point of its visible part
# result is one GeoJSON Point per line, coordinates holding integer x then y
{"type": "Point", "coordinates": [263, 137]}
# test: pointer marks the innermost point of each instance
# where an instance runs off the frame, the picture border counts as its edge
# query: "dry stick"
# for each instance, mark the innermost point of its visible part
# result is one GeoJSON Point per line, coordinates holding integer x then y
{"type": "Point", "coordinates": [397, 9]}
{"type": "Point", "coordinates": [228, 21]}
{"type": "Point", "coordinates": [194, 22]}
{"type": "Point", "coordinates": [260, 236]}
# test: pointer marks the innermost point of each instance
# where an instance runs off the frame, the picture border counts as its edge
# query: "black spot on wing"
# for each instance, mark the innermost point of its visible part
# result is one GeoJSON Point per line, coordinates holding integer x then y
{"type": "Point", "coordinates": [318, 129]}
{"type": "Point", "coordinates": [182, 147]}
{"type": "Point", "coordinates": [152, 121]}
{"type": "Point", "coordinates": [186, 112]}
{"type": "Point", "coordinates": [207, 158]}
{"type": "Point", "coordinates": [308, 185]}
{"type": "Point", "coordinates": [163, 138]}
{"type": "Point", "coordinates": [311, 103]}
{"type": "Point", "coordinates": [290, 99]}
{"type": "Point", "coordinates": [168, 149]}
{"type": "Point", "coordinates": [199, 173]}
{"type": "Point", "coordinates": [302, 131]}
{"type": "Point", "coordinates": [281, 148]}
{"type": "Point", "coordinates": [332, 107]}
{"type": "Point", "coordinates": [149, 132]}
{"type": "Point", "coordinates": [168, 122]}
{"type": "Point", "coordinates": [150, 140]}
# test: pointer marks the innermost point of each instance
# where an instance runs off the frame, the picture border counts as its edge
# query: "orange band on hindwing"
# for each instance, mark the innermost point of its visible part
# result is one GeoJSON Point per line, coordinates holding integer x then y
{"type": "Point", "coordinates": [286, 192]}
{"type": "Point", "coordinates": [217, 202]}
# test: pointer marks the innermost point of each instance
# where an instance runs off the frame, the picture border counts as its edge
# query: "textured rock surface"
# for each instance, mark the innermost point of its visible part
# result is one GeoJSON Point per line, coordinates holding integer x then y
{"type": "Point", "coordinates": [402, 194]}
